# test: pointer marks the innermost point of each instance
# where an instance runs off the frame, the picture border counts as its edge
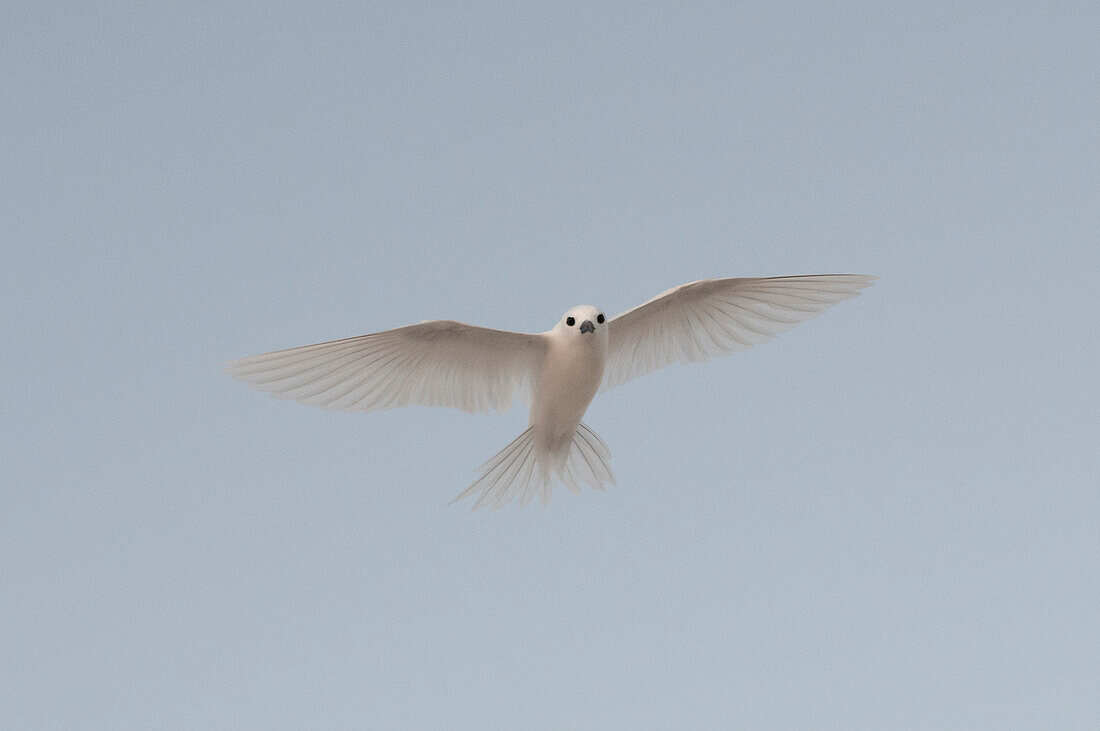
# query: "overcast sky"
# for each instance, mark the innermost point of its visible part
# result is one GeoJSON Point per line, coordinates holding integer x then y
{"type": "Point", "coordinates": [888, 517]}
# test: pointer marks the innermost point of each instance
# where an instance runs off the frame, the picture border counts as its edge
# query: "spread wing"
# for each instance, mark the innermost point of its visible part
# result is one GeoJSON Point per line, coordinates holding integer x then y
{"type": "Point", "coordinates": [702, 320]}
{"type": "Point", "coordinates": [435, 363]}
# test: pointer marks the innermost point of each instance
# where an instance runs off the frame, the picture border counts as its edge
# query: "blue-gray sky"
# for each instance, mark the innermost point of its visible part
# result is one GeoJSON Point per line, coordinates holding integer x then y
{"type": "Point", "coordinates": [888, 517]}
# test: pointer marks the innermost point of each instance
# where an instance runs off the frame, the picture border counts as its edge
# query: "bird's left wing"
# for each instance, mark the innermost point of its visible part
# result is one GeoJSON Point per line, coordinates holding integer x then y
{"type": "Point", "coordinates": [435, 363]}
{"type": "Point", "coordinates": [701, 320]}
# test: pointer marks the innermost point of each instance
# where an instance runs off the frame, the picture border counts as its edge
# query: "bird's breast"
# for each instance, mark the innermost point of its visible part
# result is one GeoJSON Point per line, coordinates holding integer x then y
{"type": "Point", "coordinates": [569, 379]}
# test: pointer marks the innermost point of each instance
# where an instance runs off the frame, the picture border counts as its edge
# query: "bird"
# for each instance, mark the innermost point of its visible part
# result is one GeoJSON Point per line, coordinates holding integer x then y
{"type": "Point", "coordinates": [557, 372]}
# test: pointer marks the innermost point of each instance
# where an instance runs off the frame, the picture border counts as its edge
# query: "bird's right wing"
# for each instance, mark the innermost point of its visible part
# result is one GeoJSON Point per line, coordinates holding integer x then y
{"type": "Point", "coordinates": [701, 320]}
{"type": "Point", "coordinates": [435, 363]}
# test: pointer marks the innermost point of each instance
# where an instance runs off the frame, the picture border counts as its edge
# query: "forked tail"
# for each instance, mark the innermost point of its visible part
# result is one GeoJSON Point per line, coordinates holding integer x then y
{"type": "Point", "coordinates": [521, 470]}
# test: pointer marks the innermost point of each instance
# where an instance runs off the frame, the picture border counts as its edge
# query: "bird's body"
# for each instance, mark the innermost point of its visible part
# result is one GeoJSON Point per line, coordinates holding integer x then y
{"type": "Point", "coordinates": [446, 363]}
{"type": "Point", "coordinates": [568, 380]}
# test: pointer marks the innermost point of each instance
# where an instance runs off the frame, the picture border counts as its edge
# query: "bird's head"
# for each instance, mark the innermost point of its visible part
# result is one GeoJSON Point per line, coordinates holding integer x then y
{"type": "Point", "coordinates": [583, 321]}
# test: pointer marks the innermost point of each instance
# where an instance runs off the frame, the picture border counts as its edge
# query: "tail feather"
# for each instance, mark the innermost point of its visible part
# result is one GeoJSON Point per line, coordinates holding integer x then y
{"type": "Point", "coordinates": [499, 456]}
{"type": "Point", "coordinates": [569, 480]}
{"type": "Point", "coordinates": [526, 490]}
{"type": "Point", "coordinates": [496, 466]}
{"type": "Point", "coordinates": [594, 441]}
{"type": "Point", "coordinates": [497, 488]}
{"type": "Point", "coordinates": [594, 453]}
{"type": "Point", "coordinates": [521, 471]}
{"type": "Point", "coordinates": [518, 477]}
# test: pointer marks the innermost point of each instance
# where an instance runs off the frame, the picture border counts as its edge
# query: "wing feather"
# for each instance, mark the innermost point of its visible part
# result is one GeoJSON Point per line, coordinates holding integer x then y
{"type": "Point", "coordinates": [435, 363]}
{"type": "Point", "coordinates": [702, 320]}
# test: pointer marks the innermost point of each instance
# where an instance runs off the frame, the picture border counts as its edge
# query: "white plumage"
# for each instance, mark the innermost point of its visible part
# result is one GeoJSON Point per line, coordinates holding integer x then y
{"type": "Point", "coordinates": [476, 369]}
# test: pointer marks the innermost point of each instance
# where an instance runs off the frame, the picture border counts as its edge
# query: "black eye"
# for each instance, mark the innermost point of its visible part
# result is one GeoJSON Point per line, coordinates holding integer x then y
{"type": "Point", "coordinates": [599, 318]}
{"type": "Point", "coordinates": [570, 321]}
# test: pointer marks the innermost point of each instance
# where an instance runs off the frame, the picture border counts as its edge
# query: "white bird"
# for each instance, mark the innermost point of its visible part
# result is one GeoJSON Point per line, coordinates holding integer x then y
{"type": "Point", "coordinates": [447, 363]}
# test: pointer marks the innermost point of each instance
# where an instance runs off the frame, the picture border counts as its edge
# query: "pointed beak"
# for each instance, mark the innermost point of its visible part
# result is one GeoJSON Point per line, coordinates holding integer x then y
{"type": "Point", "coordinates": [587, 327]}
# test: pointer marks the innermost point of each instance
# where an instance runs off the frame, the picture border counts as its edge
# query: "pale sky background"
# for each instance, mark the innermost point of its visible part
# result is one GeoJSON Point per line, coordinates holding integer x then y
{"type": "Point", "coordinates": [889, 517]}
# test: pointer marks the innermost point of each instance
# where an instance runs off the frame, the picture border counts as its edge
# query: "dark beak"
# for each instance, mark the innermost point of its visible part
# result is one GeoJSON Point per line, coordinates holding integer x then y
{"type": "Point", "coordinates": [588, 327]}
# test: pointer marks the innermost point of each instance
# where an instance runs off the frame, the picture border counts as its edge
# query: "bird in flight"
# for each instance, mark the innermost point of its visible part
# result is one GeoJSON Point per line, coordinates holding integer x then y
{"type": "Point", "coordinates": [558, 372]}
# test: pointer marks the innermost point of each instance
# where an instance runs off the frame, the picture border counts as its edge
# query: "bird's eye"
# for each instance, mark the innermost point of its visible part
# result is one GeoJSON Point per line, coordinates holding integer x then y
{"type": "Point", "coordinates": [599, 318]}
{"type": "Point", "coordinates": [570, 321]}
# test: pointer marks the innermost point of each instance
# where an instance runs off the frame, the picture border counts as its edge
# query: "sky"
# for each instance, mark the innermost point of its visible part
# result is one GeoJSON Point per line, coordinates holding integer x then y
{"type": "Point", "coordinates": [887, 517]}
